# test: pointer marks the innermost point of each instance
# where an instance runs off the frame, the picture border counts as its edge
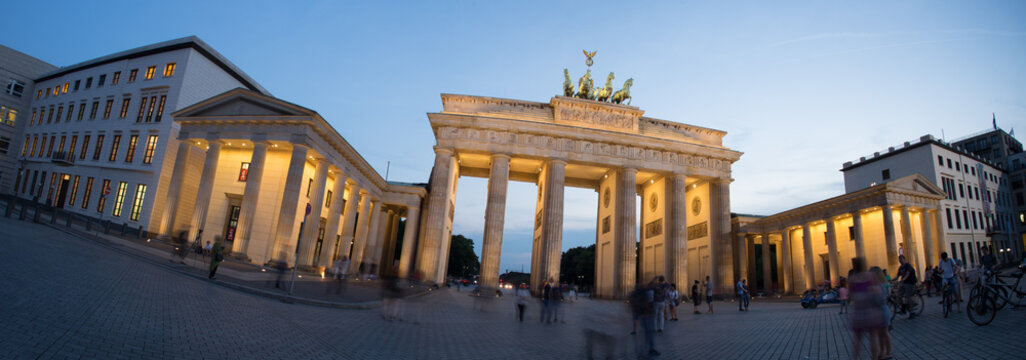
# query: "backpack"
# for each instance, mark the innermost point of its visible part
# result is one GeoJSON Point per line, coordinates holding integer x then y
{"type": "Point", "coordinates": [218, 256]}
{"type": "Point", "coordinates": [638, 301]}
{"type": "Point", "coordinates": [660, 294]}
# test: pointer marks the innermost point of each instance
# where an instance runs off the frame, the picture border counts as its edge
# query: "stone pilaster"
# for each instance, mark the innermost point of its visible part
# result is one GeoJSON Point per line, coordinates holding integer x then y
{"type": "Point", "coordinates": [289, 201]}
{"type": "Point", "coordinates": [742, 257]}
{"type": "Point", "coordinates": [721, 246]}
{"type": "Point", "coordinates": [860, 235]}
{"type": "Point", "coordinates": [676, 232]}
{"type": "Point", "coordinates": [437, 216]}
{"type": "Point", "coordinates": [552, 219]}
{"type": "Point", "coordinates": [167, 221]}
{"type": "Point", "coordinates": [389, 267]}
{"type": "Point", "coordinates": [810, 265]}
{"type": "Point", "coordinates": [835, 276]}
{"type": "Point", "coordinates": [312, 226]}
{"type": "Point", "coordinates": [625, 239]}
{"type": "Point", "coordinates": [911, 249]}
{"type": "Point", "coordinates": [331, 237]}
{"type": "Point", "coordinates": [785, 273]}
{"type": "Point", "coordinates": [928, 244]}
{"type": "Point", "coordinates": [409, 237]}
{"type": "Point", "coordinates": [205, 190]}
{"type": "Point", "coordinates": [495, 217]}
{"type": "Point", "coordinates": [941, 242]}
{"type": "Point", "coordinates": [250, 198]}
{"type": "Point", "coordinates": [890, 239]}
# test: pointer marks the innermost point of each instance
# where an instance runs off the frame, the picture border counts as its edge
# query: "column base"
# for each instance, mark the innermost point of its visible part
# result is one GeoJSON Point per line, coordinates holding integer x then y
{"type": "Point", "coordinates": [241, 256]}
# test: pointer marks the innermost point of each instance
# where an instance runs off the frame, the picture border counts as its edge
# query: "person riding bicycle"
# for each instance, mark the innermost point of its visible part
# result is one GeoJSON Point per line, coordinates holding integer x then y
{"type": "Point", "coordinates": [948, 268]}
{"type": "Point", "coordinates": [907, 276]}
{"type": "Point", "coordinates": [988, 261]}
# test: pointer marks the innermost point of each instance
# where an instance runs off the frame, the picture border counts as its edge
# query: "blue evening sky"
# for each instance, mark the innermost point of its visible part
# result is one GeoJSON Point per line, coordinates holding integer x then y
{"type": "Point", "coordinates": [800, 87]}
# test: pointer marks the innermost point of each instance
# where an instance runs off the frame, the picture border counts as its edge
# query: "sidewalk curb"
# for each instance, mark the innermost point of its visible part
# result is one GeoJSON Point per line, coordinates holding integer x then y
{"type": "Point", "coordinates": [289, 299]}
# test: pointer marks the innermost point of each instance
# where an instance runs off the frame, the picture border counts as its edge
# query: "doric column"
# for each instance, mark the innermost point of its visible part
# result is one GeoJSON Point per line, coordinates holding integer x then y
{"type": "Point", "coordinates": [928, 243]}
{"type": "Point", "coordinates": [835, 277]}
{"type": "Point", "coordinates": [388, 263]}
{"type": "Point", "coordinates": [363, 227]}
{"type": "Point", "coordinates": [860, 235]}
{"type": "Point", "coordinates": [742, 257]}
{"type": "Point", "coordinates": [378, 223]}
{"type": "Point", "coordinates": [941, 243]}
{"type": "Point", "coordinates": [349, 220]}
{"type": "Point", "coordinates": [785, 255]}
{"type": "Point", "coordinates": [767, 270]}
{"type": "Point", "coordinates": [206, 188]}
{"type": "Point", "coordinates": [409, 237]}
{"type": "Point", "coordinates": [625, 236]}
{"type": "Point", "coordinates": [810, 266]}
{"type": "Point", "coordinates": [331, 237]}
{"type": "Point", "coordinates": [552, 219]}
{"type": "Point", "coordinates": [721, 244]}
{"type": "Point", "coordinates": [911, 250]}
{"type": "Point", "coordinates": [167, 220]}
{"type": "Point", "coordinates": [890, 239]}
{"type": "Point", "coordinates": [676, 232]}
{"type": "Point", "coordinates": [313, 221]}
{"type": "Point", "coordinates": [250, 198]}
{"type": "Point", "coordinates": [495, 217]}
{"type": "Point", "coordinates": [289, 202]}
{"type": "Point", "coordinates": [436, 216]}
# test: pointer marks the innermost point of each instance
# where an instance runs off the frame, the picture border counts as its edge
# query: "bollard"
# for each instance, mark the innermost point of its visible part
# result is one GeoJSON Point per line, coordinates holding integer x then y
{"type": "Point", "coordinates": [89, 223]}
{"type": "Point", "coordinates": [141, 231]}
{"type": "Point", "coordinates": [123, 227]}
{"type": "Point", "coordinates": [35, 214]}
{"type": "Point", "coordinates": [23, 212]}
{"type": "Point", "coordinates": [70, 214]}
{"type": "Point", "coordinates": [10, 208]}
{"type": "Point", "coordinates": [106, 227]}
{"type": "Point", "coordinates": [53, 217]}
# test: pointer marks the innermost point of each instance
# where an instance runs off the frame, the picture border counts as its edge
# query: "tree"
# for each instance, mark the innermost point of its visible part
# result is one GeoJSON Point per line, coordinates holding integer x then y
{"type": "Point", "coordinates": [463, 261]}
{"type": "Point", "coordinates": [578, 265]}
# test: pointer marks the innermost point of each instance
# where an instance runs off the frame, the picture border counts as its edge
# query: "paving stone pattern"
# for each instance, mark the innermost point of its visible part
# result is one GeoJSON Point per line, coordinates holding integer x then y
{"type": "Point", "coordinates": [65, 296]}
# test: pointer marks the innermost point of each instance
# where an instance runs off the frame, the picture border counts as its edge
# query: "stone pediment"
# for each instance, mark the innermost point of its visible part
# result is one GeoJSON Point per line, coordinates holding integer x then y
{"type": "Point", "coordinates": [916, 183]}
{"type": "Point", "coordinates": [244, 103]}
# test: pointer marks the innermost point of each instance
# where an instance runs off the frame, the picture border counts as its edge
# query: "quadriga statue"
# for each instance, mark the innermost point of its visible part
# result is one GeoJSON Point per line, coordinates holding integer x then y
{"type": "Point", "coordinates": [606, 91]}
{"type": "Point", "coordinates": [624, 94]}
{"type": "Point", "coordinates": [568, 85]}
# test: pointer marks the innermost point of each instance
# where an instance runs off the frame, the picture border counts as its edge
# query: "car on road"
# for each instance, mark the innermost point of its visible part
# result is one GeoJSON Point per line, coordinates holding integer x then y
{"type": "Point", "coordinates": [812, 298]}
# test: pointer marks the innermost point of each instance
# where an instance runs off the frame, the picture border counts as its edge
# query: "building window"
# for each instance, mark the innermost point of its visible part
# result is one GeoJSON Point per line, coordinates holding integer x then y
{"type": "Point", "coordinates": [42, 146]}
{"type": "Point", "coordinates": [85, 146]}
{"type": "Point", "coordinates": [99, 147]}
{"type": "Point", "coordinates": [57, 90]}
{"type": "Point", "coordinates": [149, 72]}
{"type": "Point", "coordinates": [965, 218]}
{"type": "Point", "coordinates": [49, 115]}
{"type": "Point", "coordinates": [132, 74]}
{"type": "Point", "coordinates": [71, 110]}
{"type": "Point", "coordinates": [142, 110]}
{"type": "Point", "coordinates": [958, 220]}
{"type": "Point", "coordinates": [124, 106]}
{"type": "Point", "coordinates": [973, 171]}
{"type": "Point", "coordinates": [169, 69]}
{"type": "Point", "coordinates": [5, 144]}
{"type": "Point", "coordinates": [49, 151]}
{"type": "Point", "coordinates": [949, 163]}
{"type": "Point", "coordinates": [160, 108]}
{"type": "Point", "coordinates": [42, 114]}
{"type": "Point", "coordinates": [24, 146]}
{"type": "Point", "coordinates": [32, 120]}
{"type": "Point", "coordinates": [886, 174]}
{"type": "Point", "coordinates": [89, 83]}
{"type": "Point", "coordinates": [87, 193]}
{"type": "Point", "coordinates": [114, 147]}
{"type": "Point", "coordinates": [961, 190]}
{"type": "Point", "coordinates": [107, 108]}
{"type": "Point", "coordinates": [34, 139]}
{"type": "Point", "coordinates": [92, 113]}
{"type": "Point", "coordinates": [8, 116]}
{"type": "Point", "coordinates": [60, 148]}
{"type": "Point", "coordinates": [60, 110]}
{"type": "Point", "coordinates": [81, 111]}
{"type": "Point", "coordinates": [101, 80]}
{"type": "Point", "coordinates": [114, 78]}
{"type": "Point", "coordinates": [39, 93]}
{"type": "Point", "coordinates": [973, 213]}
{"type": "Point", "coordinates": [309, 185]}
{"type": "Point", "coordinates": [140, 194]}
{"type": "Point", "coordinates": [151, 145]}
{"type": "Point", "coordinates": [149, 112]}
{"type": "Point", "coordinates": [977, 191]}
{"type": "Point", "coordinates": [120, 198]}
{"type": "Point", "coordinates": [132, 141]}
{"type": "Point", "coordinates": [74, 190]}
{"type": "Point", "coordinates": [244, 171]}
{"type": "Point", "coordinates": [64, 89]}
{"type": "Point", "coordinates": [77, 84]}
{"type": "Point", "coordinates": [71, 149]}
{"type": "Point", "coordinates": [15, 88]}
{"type": "Point", "coordinates": [105, 188]}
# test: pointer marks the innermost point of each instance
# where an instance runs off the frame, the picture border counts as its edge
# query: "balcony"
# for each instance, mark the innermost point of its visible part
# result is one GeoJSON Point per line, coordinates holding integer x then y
{"type": "Point", "coordinates": [63, 158]}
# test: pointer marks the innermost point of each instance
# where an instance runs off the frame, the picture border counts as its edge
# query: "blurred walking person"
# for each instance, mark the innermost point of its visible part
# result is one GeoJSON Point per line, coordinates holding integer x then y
{"type": "Point", "coordinates": [742, 295]}
{"type": "Point", "coordinates": [659, 290]}
{"type": "Point", "coordinates": [641, 303]}
{"type": "Point", "coordinates": [696, 296]}
{"type": "Point", "coordinates": [339, 270]}
{"type": "Point", "coordinates": [218, 256]}
{"type": "Point", "coordinates": [708, 294]}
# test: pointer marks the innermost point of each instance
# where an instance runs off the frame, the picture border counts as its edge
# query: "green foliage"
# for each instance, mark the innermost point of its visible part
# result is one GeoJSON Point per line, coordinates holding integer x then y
{"type": "Point", "coordinates": [578, 265]}
{"type": "Point", "coordinates": [463, 262]}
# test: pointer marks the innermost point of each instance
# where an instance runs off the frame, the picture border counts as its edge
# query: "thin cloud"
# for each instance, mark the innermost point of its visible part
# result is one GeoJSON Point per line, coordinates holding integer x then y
{"type": "Point", "coordinates": [823, 36]}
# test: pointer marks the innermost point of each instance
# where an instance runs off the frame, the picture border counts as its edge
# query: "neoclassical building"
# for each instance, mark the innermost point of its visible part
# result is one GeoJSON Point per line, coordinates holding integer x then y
{"type": "Point", "coordinates": [798, 249]}
{"type": "Point", "coordinates": [681, 173]}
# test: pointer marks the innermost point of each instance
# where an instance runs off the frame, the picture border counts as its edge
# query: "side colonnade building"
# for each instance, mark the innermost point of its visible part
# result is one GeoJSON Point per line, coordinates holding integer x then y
{"type": "Point", "coordinates": [809, 246]}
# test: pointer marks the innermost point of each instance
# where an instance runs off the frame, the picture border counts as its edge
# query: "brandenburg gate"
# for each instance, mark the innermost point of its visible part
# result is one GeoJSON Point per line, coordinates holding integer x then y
{"type": "Point", "coordinates": [681, 173]}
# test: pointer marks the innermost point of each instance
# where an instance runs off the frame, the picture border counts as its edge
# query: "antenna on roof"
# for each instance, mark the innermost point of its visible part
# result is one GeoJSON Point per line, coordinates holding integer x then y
{"type": "Point", "coordinates": [942, 136]}
{"type": "Point", "coordinates": [387, 167]}
{"type": "Point", "coordinates": [995, 120]}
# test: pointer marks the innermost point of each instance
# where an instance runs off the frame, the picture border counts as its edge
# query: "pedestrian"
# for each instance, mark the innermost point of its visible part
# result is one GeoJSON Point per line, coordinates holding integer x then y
{"type": "Point", "coordinates": [842, 295]}
{"type": "Point", "coordinates": [696, 296]}
{"type": "Point", "coordinates": [928, 280]}
{"type": "Point", "coordinates": [743, 296]}
{"type": "Point", "coordinates": [207, 250]}
{"type": "Point", "coordinates": [659, 289]}
{"type": "Point", "coordinates": [218, 256]}
{"type": "Point", "coordinates": [546, 308]}
{"type": "Point", "coordinates": [339, 271]}
{"type": "Point", "coordinates": [867, 316]}
{"type": "Point", "coordinates": [709, 293]}
{"type": "Point", "coordinates": [641, 301]}
{"type": "Point", "coordinates": [281, 266]}
{"type": "Point", "coordinates": [907, 274]}
{"type": "Point", "coordinates": [521, 306]}
{"type": "Point", "coordinates": [883, 333]}
{"type": "Point", "coordinates": [672, 301]}
{"type": "Point", "coordinates": [573, 294]}
{"type": "Point", "coordinates": [556, 299]}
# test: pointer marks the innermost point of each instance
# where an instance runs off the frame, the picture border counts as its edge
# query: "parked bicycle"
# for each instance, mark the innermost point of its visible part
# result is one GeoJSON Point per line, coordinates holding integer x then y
{"type": "Point", "coordinates": [992, 293]}
{"type": "Point", "coordinates": [895, 301]}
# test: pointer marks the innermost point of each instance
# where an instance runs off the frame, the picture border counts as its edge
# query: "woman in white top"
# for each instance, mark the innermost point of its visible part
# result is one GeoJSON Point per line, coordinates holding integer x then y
{"type": "Point", "coordinates": [673, 298]}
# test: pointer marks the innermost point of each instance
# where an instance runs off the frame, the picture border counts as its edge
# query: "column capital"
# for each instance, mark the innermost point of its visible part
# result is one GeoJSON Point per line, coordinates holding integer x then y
{"type": "Point", "coordinates": [261, 143]}
{"type": "Point", "coordinates": [212, 136]}
{"type": "Point", "coordinates": [626, 169]}
{"type": "Point", "coordinates": [500, 156]}
{"type": "Point", "coordinates": [557, 161]}
{"type": "Point", "coordinates": [724, 181]}
{"type": "Point", "coordinates": [680, 176]}
{"type": "Point", "coordinates": [444, 151]}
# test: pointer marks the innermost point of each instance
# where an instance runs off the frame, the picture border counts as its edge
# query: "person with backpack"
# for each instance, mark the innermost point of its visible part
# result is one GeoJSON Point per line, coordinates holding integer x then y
{"type": "Point", "coordinates": [218, 256]}
{"type": "Point", "coordinates": [641, 303]}
{"type": "Point", "coordinates": [659, 290]}
{"type": "Point", "coordinates": [696, 297]}
{"type": "Point", "coordinates": [742, 295]}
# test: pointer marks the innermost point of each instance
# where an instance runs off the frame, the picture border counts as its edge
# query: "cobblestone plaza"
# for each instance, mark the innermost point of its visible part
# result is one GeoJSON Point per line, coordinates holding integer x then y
{"type": "Point", "coordinates": [68, 296]}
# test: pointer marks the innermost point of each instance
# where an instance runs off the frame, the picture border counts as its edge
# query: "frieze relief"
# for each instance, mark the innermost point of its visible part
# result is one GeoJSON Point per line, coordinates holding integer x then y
{"type": "Point", "coordinates": [582, 147]}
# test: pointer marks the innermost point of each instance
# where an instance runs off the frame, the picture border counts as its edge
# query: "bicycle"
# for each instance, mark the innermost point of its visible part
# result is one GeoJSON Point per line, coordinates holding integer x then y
{"type": "Point", "coordinates": [989, 292]}
{"type": "Point", "coordinates": [894, 301]}
{"type": "Point", "coordinates": [948, 297]}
